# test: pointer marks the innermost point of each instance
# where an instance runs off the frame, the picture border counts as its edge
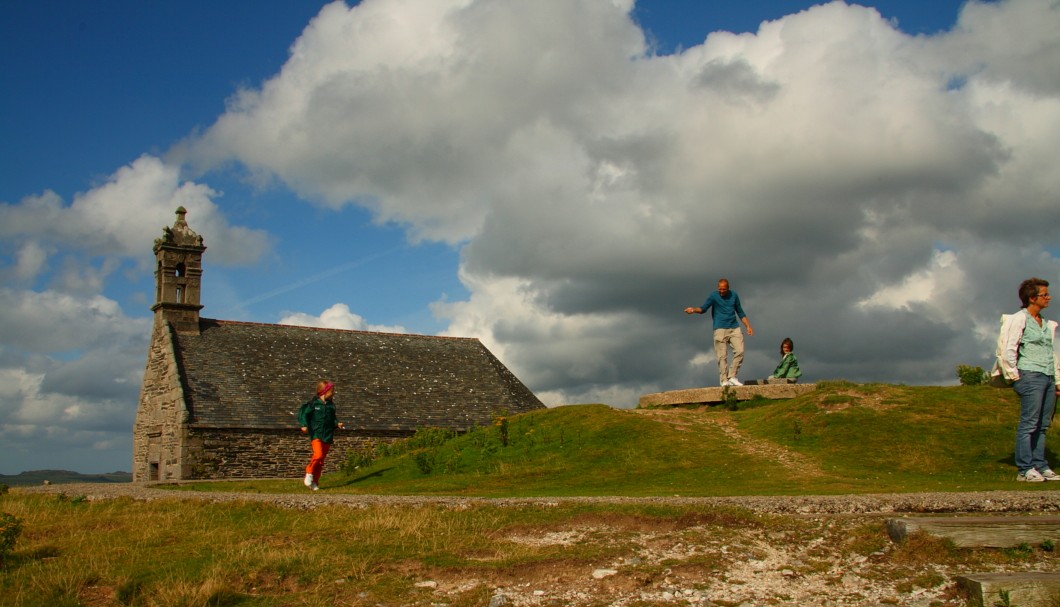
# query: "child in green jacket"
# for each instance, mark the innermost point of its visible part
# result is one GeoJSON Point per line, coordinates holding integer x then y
{"type": "Point", "coordinates": [317, 419]}
{"type": "Point", "coordinates": [787, 372]}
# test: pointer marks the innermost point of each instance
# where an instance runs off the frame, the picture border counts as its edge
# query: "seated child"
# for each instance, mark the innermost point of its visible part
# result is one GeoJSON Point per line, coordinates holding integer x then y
{"type": "Point", "coordinates": [787, 372]}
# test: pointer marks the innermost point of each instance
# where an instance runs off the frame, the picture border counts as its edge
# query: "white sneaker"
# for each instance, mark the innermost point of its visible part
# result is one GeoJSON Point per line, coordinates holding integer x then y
{"type": "Point", "coordinates": [726, 383]}
{"type": "Point", "coordinates": [314, 487]}
{"type": "Point", "coordinates": [735, 382]}
{"type": "Point", "coordinates": [1031, 476]}
{"type": "Point", "coordinates": [308, 480]}
{"type": "Point", "coordinates": [1049, 475]}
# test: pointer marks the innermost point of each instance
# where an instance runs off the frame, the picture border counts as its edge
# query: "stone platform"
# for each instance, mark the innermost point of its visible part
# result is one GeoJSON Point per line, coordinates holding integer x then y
{"type": "Point", "coordinates": [713, 396]}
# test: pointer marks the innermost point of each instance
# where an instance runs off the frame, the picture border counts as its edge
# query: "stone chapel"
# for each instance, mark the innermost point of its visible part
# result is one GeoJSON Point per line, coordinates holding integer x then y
{"type": "Point", "coordinates": [219, 398]}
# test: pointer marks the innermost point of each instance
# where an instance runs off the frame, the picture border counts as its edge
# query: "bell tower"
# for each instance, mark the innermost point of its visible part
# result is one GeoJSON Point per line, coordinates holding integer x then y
{"type": "Point", "coordinates": [178, 276]}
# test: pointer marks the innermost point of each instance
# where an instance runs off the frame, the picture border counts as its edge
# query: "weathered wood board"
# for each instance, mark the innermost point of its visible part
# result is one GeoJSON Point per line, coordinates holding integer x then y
{"type": "Point", "coordinates": [980, 531]}
{"type": "Point", "coordinates": [1026, 589]}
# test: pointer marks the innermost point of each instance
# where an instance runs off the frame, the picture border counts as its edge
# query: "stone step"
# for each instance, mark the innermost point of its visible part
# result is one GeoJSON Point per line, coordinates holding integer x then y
{"type": "Point", "coordinates": [980, 531]}
{"type": "Point", "coordinates": [713, 396]}
{"type": "Point", "coordinates": [1026, 589]}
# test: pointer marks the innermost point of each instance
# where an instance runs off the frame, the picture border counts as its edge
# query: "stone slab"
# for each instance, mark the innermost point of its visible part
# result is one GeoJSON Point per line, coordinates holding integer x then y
{"type": "Point", "coordinates": [713, 396]}
{"type": "Point", "coordinates": [1026, 589]}
{"type": "Point", "coordinates": [980, 531]}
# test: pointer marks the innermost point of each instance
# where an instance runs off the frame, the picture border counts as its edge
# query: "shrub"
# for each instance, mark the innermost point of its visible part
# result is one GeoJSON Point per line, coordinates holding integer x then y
{"type": "Point", "coordinates": [426, 438]}
{"type": "Point", "coordinates": [361, 456]}
{"type": "Point", "coordinates": [501, 421]}
{"type": "Point", "coordinates": [971, 376]}
{"type": "Point", "coordinates": [10, 528]}
{"type": "Point", "coordinates": [430, 437]}
{"type": "Point", "coordinates": [732, 403]}
{"type": "Point", "coordinates": [424, 461]}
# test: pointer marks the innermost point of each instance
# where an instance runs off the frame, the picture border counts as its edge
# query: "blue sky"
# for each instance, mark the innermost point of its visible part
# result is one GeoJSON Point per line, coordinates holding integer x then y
{"type": "Point", "coordinates": [558, 179]}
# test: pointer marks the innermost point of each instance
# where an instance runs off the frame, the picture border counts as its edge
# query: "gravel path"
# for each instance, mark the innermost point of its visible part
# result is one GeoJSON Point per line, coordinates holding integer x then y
{"type": "Point", "coordinates": [1038, 500]}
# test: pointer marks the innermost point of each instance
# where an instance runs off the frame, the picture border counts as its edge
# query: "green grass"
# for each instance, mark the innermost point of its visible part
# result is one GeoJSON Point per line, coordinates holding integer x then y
{"type": "Point", "coordinates": [840, 438]}
{"type": "Point", "coordinates": [176, 552]}
{"type": "Point", "coordinates": [896, 438]}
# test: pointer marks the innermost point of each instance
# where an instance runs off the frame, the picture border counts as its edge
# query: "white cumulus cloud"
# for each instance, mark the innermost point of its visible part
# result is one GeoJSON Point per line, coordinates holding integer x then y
{"type": "Point", "coordinates": [122, 217]}
{"type": "Point", "coordinates": [874, 195]}
{"type": "Point", "coordinates": [338, 316]}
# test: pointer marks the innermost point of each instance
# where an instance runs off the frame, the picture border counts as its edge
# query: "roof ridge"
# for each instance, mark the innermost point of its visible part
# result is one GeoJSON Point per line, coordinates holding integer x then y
{"type": "Point", "coordinates": [265, 324]}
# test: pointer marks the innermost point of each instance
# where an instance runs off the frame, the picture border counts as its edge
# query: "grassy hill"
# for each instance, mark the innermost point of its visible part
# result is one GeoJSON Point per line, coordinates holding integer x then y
{"type": "Point", "coordinates": [840, 438]}
{"type": "Point", "coordinates": [36, 477]}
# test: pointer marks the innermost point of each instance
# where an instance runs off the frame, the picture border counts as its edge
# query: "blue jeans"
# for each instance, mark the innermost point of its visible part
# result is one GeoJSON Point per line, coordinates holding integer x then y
{"type": "Point", "coordinates": [1037, 393]}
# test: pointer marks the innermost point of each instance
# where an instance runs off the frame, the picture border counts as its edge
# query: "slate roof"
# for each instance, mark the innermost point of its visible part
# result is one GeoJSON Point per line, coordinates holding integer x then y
{"type": "Point", "coordinates": [248, 375]}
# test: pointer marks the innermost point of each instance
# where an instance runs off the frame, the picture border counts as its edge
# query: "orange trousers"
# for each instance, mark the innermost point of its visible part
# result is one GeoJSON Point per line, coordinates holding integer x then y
{"type": "Point", "coordinates": [316, 464]}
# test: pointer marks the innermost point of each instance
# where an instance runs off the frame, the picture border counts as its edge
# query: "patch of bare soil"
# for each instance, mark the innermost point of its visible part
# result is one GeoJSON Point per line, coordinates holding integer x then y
{"type": "Point", "coordinates": [792, 561]}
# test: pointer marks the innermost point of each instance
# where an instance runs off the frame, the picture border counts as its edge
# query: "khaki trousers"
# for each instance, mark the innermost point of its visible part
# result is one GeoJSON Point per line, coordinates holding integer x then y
{"type": "Point", "coordinates": [723, 340]}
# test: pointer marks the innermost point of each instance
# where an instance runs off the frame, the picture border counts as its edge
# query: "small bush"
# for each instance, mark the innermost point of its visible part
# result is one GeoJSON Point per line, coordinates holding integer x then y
{"type": "Point", "coordinates": [424, 461]}
{"type": "Point", "coordinates": [732, 403]}
{"type": "Point", "coordinates": [424, 438]}
{"type": "Point", "coordinates": [971, 376]}
{"type": "Point", "coordinates": [1021, 552]}
{"type": "Point", "coordinates": [10, 529]}
{"type": "Point", "coordinates": [430, 437]}
{"type": "Point", "coordinates": [360, 456]}
{"type": "Point", "coordinates": [501, 421]}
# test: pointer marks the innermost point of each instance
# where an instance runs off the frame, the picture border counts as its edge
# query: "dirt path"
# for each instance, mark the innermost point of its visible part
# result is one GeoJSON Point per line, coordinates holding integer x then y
{"type": "Point", "coordinates": [1037, 501]}
{"type": "Point", "coordinates": [796, 464]}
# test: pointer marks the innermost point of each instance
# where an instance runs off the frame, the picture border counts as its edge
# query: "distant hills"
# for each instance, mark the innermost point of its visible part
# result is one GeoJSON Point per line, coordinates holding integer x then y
{"type": "Point", "coordinates": [57, 477]}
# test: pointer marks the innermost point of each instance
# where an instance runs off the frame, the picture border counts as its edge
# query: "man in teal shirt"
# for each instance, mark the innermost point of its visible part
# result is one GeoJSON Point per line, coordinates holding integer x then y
{"type": "Point", "coordinates": [727, 313]}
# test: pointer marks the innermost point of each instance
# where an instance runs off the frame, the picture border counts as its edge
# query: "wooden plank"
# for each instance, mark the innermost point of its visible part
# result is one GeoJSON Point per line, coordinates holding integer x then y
{"type": "Point", "coordinates": [1026, 589]}
{"type": "Point", "coordinates": [980, 531]}
{"type": "Point", "coordinates": [712, 396]}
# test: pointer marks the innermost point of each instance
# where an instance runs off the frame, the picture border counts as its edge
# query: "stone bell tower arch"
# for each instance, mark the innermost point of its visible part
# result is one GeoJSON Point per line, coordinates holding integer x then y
{"type": "Point", "coordinates": [178, 276]}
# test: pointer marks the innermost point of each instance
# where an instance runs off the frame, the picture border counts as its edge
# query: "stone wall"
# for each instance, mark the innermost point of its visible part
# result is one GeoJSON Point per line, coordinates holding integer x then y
{"type": "Point", "coordinates": [158, 432]}
{"type": "Point", "coordinates": [253, 453]}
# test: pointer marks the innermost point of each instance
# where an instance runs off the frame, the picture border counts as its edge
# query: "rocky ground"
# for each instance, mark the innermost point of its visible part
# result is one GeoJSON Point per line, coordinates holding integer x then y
{"type": "Point", "coordinates": [817, 550]}
{"type": "Point", "coordinates": [805, 557]}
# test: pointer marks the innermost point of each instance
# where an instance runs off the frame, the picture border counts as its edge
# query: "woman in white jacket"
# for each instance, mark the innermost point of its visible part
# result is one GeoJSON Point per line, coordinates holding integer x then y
{"type": "Point", "coordinates": [1027, 358]}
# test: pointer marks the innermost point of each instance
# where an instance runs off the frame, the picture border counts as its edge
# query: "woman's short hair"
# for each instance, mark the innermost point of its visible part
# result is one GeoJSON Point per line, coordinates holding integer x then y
{"type": "Point", "coordinates": [1029, 289]}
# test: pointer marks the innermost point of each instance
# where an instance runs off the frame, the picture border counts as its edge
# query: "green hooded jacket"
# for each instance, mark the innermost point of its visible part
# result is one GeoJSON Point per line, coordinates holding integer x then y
{"type": "Point", "coordinates": [318, 417]}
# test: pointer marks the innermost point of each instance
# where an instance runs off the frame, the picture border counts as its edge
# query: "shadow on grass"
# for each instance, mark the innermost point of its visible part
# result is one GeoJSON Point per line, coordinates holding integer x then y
{"type": "Point", "coordinates": [354, 481]}
{"type": "Point", "coordinates": [17, 559]}
{"type": "Point", "coordinates": [1010, 458]}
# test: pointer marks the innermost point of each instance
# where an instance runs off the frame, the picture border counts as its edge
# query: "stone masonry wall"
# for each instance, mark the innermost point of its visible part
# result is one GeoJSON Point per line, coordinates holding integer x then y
{"type": "Point", "coordinates": [158, 432]}
{"type": "Point", "coordinates": [252, 453]}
